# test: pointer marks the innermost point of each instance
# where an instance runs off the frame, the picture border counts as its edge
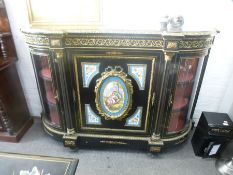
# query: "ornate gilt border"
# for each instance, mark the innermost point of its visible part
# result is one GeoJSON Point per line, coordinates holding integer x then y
{"type": "Point", "coordinates": [114, 72]}
{"type": "Point", "coordinates": [189, 44]}
{"type": "Point", "coordinates": [36, 39]}
{"type": "Point", "coordinates": [107, 40]}
{"type": "Point", "coordinates": [111, 42]}
{"type": "Point", "coordinates": [205, 43]}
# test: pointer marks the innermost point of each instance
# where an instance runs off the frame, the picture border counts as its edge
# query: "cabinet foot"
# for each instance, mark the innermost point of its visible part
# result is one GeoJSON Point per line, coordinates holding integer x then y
{"type": "Point", "coordinates": [155, 149]}
{"type": "Point", "coordinates": [70, 140]}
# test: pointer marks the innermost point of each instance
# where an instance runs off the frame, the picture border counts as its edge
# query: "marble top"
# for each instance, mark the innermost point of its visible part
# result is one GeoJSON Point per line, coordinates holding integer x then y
{"type": "Point", "coordinates": [109, 31]}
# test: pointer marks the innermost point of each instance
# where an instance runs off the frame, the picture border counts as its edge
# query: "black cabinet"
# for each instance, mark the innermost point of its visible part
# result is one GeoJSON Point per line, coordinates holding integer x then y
{"type": "Point", "coordinates": [213, 132]}
{"type": "Point", "coordinates": [119, 88]}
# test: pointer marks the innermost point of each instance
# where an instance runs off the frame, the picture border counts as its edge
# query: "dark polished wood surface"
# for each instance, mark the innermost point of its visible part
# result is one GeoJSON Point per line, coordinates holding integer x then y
{"type": "Point", "coordinates": [14, 107]}
{"type": "Point", "coordinates": [14, 115]}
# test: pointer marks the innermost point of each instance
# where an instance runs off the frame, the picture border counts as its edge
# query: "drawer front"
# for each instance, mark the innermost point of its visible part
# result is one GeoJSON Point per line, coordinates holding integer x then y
{"type": "Point", "coordinates": [113, 93]}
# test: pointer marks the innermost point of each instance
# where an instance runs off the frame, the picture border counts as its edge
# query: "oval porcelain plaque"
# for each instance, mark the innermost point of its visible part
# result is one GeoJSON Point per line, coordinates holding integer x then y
{"type": "Point", "coordinates": [113, 95]}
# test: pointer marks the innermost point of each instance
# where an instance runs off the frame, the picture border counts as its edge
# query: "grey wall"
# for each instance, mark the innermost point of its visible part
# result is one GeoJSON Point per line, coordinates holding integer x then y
{"type": "Point", "coordinates": [215, 95]}
{"type": "Point", "coordinates": [17, 13]}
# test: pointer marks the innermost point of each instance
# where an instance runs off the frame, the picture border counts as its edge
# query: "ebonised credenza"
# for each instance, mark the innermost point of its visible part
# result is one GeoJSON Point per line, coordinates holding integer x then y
{"type": "Point", "coordinates": [119, 88]}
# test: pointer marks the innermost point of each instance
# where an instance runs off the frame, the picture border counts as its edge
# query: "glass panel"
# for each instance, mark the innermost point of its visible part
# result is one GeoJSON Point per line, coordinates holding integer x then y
{"type": "Point", "coordinates": [184, 89]}
{"type": "Point", "coordinates": [46, 88]}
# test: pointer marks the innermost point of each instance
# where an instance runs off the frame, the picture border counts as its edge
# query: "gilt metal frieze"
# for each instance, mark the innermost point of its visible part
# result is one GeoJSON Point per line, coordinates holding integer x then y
{"type": "Point", "coordinates": [41, 40]}
{"type": "Point", "coordinates": [112, 42]}
{"type": "Point", "coordinates": [172, 45]}
{"type": "Point", "coordinates": [195, 44]}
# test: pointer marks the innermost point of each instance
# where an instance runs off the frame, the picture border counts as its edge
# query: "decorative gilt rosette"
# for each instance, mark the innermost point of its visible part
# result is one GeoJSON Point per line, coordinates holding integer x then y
{"type": "Point", "coordinates": [113, 94]}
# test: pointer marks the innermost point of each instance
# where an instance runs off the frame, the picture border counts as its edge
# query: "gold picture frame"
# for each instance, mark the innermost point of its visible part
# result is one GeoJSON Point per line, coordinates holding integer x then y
{"type": "Point", "coordinates": [69, 14]}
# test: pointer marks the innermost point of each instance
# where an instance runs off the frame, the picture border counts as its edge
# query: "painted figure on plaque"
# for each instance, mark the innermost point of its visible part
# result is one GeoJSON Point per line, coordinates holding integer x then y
{"type": "Point", "coordinates": [113, 96]}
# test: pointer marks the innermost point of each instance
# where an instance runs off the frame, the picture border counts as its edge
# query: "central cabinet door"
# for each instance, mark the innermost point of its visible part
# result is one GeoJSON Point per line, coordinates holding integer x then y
{"type": "Point", "coordinates": [114, 92]}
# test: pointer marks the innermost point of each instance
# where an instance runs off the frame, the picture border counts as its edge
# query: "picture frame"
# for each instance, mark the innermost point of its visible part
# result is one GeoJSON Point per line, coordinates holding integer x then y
{"type": "Point", "coordinates": [69, 14]}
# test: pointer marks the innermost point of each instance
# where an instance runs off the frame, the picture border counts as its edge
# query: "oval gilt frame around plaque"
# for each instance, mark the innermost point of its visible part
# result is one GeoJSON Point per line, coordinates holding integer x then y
{"type": "Point", "coordinates": [113, 94]}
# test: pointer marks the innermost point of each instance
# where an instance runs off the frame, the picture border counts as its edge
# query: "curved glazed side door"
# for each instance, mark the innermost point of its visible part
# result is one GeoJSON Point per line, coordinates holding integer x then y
{"type": "Point", "coordinates": [48, 83]}
{"type": "Point", "coordinates": [183, 82]}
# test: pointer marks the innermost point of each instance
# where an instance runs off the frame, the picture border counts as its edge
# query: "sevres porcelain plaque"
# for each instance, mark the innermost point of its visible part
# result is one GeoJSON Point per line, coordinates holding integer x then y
{"type": "Point", "coordinates": [113, 94]}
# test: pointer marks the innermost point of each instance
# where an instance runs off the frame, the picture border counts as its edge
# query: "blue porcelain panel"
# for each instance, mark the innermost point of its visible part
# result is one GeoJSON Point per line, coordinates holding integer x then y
{"type": "Point", "coordinates": [135, 119]}
{"type": "Point", "coordinates": [91, 117]}
{"type": "Point", "coordinates": [114, 96]}
{"type": "Point", "coordinates": [89, 70]}
{"type": "Point", "coordinates": [138, 72]}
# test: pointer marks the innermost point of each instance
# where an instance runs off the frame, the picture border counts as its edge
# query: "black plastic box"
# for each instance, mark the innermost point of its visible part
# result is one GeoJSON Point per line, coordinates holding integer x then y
{"type": "Point", "coordinates": [213, 132]}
